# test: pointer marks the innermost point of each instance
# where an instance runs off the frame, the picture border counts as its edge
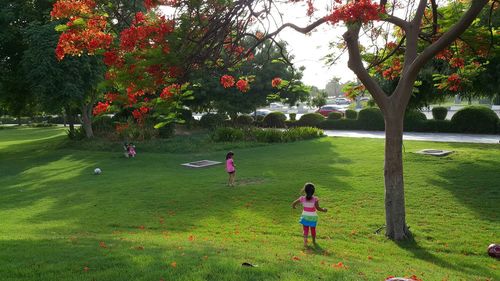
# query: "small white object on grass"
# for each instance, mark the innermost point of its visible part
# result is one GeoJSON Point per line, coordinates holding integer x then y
{"type": "Point", "coordinates": [97, 171]}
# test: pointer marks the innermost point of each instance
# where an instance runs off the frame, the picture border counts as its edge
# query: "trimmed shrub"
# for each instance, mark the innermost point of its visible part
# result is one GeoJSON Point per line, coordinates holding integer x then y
{"type": "Point", "coordinates": [210, 121]}
{"type": "Point", "coordinates": [41, 125]}
{"type": "Point", "coordinates": [334, 115]}
{"type": "Point", "coordinates": [342, 124]}
{"type": "Point", "coordinates": [302, 133]}
{"type": "Point", "coordinates": [268, 135]}
{"type": "Point", "coordinates": [103, 124]}
{"type": "Point", "coordinates": [275, 120]}
{"type": "Point", "coordinates": [371, 119]}
{"type": "Point", "coordinates": [311, 120]}
{"type": "Point", "coordinates": [293, 116]}
{"type": "Point", "coordinates": [475, 119]}
{"type": "Point", "coordinates": [438, 126]}
{"type": "Point", "coordinates": [351, 114]}
{"type": "Point", "coordinates": [414, 121]}
{"type": "Point", "coordinates": [228, 134]}
{"type": "Point", "coordinates": [439, 113]}
{"type": "Point", "coordinates": [244, 120]}
{"type": "Point", "coordinates": [166, 131]}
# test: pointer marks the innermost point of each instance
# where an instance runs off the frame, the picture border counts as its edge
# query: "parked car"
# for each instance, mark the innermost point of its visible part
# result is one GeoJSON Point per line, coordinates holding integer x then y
{"type": "Point", "coordinates": [261, 112]}
{"type": "Point", "coordinates": [342, 101]}
{"type": "Point", "coordinates": [327, 109]}
{"type": "Point", "coordinates": [364, 99]}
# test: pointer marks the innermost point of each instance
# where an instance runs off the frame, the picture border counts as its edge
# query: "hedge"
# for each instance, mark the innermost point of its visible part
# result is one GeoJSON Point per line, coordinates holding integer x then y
{"type": "Point", "coordinates": [274, 120]}
{"type": "Point", "coordinates": [371, 119]}
{"type": "Point", "coordinates": [311, 120]}
{"type": "Point", "coordinates": [439, 113]}
{"type": "Point", "coordinates": [476, 119]}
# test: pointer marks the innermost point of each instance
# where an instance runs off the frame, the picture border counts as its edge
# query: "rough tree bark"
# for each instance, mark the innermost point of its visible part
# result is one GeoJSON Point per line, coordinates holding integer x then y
{"type": "Point", "coordinates": [87, 120]}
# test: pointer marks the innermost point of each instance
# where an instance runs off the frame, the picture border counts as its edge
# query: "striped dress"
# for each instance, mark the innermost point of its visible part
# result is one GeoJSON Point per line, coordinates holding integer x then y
{"type": "Point", "coordinates": [309, 216]}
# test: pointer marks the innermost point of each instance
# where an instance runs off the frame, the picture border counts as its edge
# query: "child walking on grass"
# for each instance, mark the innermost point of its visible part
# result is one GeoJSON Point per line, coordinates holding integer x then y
{"type": "Point", "coordinates": [309, 218]}
{"type": "Point", "coordinates": [230, 168]}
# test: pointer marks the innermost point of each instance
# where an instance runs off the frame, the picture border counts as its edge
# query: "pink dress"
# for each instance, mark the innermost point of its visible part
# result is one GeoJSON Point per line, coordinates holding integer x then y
{"type": "Point", "coordinates": [230, 165]}
{"type": "Point", "coordinates": [131, 151]}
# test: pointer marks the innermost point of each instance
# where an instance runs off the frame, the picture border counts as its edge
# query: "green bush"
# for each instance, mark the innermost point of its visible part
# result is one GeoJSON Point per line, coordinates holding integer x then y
{"type": "Point", "coordinates": [244, 120]}
{"type": "Point", "coordinates": [439, 113]}
{"type": "Point", "coordinates": [438, 126]}
{"type": "Point", "coordinates": [414, 121]}
{"type": "Point", "coordinates": [166, 131]}
{"type": "Point", "coordinates": [41, 125]}
{"type": "Point", "coordinates": [371, 119]}
{"type": "Point", "coordinates": [77, 134]}
{"type": "Point", "coordinates": [301, 133]}
{"type": "Point", "coordinates": [259, 118]}
{"type": "Point", "coordinates": [311, 119]}
{"type": "Point", "coordinates": [293, 116]}
{"type": "Point", "coordinates": [334, 115]}
{"type": "Point", "coordinates": [351, 114]}
{"type": "Point", "coordinates": [103, 124]}
{"type": "Point", "coordinates": [475, 119]}
{"type": "Point", "coordinates": [228, 134]}
{"type": "Point", "coordinates": [342, 124]}
{"type": "Point", "coordinates": [274, 120]}
{"type": "Point", "coordinates": [211, 121]}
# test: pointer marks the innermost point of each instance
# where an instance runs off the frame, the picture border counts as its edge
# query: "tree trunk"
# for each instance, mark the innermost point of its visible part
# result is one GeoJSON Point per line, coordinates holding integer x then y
{"type": "Point", "coordinates": [19, 123]}
{"type": "Point", "coordinates": [87, 120]}
{"type": "Point", "coordinates": [393, 174]}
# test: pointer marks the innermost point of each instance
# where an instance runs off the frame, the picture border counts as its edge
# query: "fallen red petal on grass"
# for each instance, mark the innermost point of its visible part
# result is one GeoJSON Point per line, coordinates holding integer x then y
{"type": "Point", "coordinates": [139, 248]}
{"type": "Point", "coordinates": [85, 269]}
{"type": "Point", "coordinates": [340, 265]}
{"type": "Point", "coordinates": [295, 258]}
{"type": "Point", "coordinates": [102, 244]}
{"type": "Point", "coordinates": [370, 257]}
{"type": "Point", "coordinates": [191, 238]}
{"type": "Point", "coordinates": [142, 227]}
{"type": "Point", "coordinates": [173, 264]}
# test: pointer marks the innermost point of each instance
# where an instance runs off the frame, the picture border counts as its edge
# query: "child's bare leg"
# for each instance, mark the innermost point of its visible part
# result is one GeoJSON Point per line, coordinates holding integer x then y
{"type": "Point", "coordinates": [313, 234]}
{"type": "Point", "coordinates": [306, 234]}
{"type": "Point", "coordinates": [233, 176]}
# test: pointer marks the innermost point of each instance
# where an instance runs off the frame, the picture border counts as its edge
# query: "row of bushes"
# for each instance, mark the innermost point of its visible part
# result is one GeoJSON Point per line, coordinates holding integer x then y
{"type": "Point", "coordinates": [473, 119]}
{"type": "Point", "coordinates": [230, 134]}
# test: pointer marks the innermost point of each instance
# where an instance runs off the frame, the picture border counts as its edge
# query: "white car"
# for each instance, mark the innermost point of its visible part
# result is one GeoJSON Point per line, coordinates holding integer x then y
{"type": "Point", "coordinates": [342, 101]}
{"type": "Point", "coordinates": [261, 112]}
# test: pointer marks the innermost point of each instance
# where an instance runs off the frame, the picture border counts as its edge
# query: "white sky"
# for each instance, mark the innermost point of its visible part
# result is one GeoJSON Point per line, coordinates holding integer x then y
{"type": "Point", "coordinates": [309, 50]}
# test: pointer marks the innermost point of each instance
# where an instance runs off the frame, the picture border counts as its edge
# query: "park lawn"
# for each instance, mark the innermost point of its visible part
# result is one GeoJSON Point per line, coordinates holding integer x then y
{"type": "Point", "coordinates": [149, 218]}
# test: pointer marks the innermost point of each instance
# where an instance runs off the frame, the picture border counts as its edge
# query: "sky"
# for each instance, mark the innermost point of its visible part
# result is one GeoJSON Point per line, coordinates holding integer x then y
{"type": "Point", "coordinates": [309, 50]}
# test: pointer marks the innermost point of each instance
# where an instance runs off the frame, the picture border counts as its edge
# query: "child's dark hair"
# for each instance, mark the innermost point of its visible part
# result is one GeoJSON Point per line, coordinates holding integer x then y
{"type": "Point", "coordinates": [229, 155]}
{"type": "Point", "coordinates": [309, 190]}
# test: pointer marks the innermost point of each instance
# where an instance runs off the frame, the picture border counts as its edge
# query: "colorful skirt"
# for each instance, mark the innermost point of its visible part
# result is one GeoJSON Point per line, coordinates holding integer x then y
{"type": "Point", "coordinates": [309, 219]}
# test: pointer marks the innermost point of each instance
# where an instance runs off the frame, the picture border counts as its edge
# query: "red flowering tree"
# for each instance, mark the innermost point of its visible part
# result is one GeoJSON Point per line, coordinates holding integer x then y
{"type": "Point", "coordinates": [156, 52]}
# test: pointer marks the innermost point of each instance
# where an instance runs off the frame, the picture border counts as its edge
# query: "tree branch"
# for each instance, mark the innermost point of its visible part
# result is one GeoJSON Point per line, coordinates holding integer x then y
{"type": "Point", "coordinates": [419, 14]}
{"type": "Point", "coordinates": [351, 36]}
{"type": "Point", "coordinates": [456, 30]}
{"type": "Point", "coordinates": [396, 21]}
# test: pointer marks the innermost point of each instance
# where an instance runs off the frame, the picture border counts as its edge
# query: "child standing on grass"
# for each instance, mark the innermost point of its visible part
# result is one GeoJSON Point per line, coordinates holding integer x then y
{"type": "Point", "coordinates": [230, 168]}
{"type": "Point", "coordinates": [309, 218]}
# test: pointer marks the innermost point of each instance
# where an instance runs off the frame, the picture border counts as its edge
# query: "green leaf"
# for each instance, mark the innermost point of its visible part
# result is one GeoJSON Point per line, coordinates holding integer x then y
{"type": "Point", "coordinates": [61, 27]}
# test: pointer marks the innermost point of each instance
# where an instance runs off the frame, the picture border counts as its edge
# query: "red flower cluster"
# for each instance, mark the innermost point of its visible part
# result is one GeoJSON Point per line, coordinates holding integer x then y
{"type": "Point", "coordinates": [445, 54]}
{"type": "Point", "coordinates": [170, 91]}
{"type": "Point", "coordinates": [454, 82]}
{"type": "Point", "coordinates": [68, 8]}
{"type": "Point", "coordinates": [356, 11]}
{"type": "Point", "coordinates": [457, 62]}
{"type": "Point", "coordinates": [276, 82]}
{"type": "Point", "coordinates": [111, 58]}
{"type": "Point", "coordinates": [227, 81]}
{"type": "Point", "coordinates": [100, 108]}
{"type": "Point", "coordinates": [242, 85]}
{"type": "Point", "coordinates": [392, 72]}
{"type": "Point", "coordinates": [150, 4]}
{"type": "Point", "coordinates": [145, 33]}
{"type": "Point", "coordinates": [140, 113]}
{"type": "Point", "coordinates": [111, 97]}
{"type": "Point", "coordinates": [121, 127]}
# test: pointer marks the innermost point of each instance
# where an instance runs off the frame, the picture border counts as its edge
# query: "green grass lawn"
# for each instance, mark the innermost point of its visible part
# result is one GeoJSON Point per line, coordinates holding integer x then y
{"type": "Point", "coordinates": [148, 218]}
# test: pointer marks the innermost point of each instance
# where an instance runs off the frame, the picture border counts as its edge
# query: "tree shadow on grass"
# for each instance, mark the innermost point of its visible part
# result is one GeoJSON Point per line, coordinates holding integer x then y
{"type": "Point", "coordinates": [475, 184]}
{"type": "Point", "coordinates": [70, 258]}
{"type": "Point", "coordinates": [419, 252]}
{"type": "Point", "coordinates": [148, 189]}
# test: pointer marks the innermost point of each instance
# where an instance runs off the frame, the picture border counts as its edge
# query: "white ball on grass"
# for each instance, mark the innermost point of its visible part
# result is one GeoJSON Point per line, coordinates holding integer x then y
{"type": "Point", "coordinates": [97, 171]}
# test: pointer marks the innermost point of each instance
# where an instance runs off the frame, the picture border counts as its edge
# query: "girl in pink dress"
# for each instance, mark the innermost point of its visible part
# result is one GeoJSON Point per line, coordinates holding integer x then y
{"type": "Point", "coordinates": [230, 168]}
{"type": "Point", "coordinates": [309, 217]}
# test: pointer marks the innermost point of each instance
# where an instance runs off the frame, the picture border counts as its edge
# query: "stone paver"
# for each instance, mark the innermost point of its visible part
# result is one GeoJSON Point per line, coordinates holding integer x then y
{"type": "Point", "coordinates": [438, 137]}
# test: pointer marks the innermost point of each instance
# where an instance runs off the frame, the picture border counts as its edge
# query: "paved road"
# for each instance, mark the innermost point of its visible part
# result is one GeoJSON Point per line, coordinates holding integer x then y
{"type": "Point", "coordinates": [437, 137]}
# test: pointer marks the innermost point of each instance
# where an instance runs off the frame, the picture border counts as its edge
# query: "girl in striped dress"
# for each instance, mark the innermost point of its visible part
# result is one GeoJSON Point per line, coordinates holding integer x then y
{"type": "Point", "coordinates": [309, 218]}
